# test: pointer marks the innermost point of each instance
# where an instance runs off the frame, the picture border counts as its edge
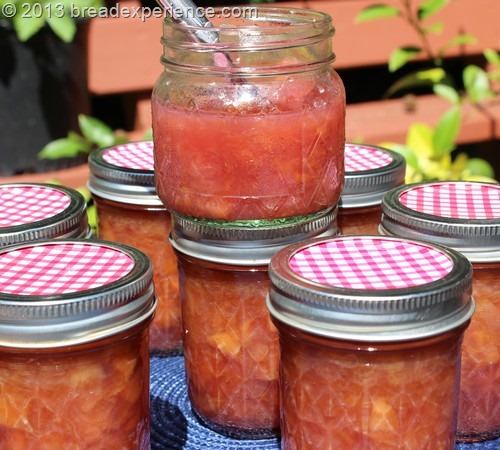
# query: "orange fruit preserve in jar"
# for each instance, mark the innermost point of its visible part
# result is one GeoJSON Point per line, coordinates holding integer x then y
{"type": "Point", "coordinates": [465, 216]}
{"type": "Point", "coordinates": [129, 211]}
{"type": "Point", "coordinates": [261, 137]}
{"type": "Point", "coordinates": [34, 211]}
{"type": "Point", "coordinates": [370, 338]}
{"type": "Point", "coordinates": [230, 344]}
{"type": "Point", "coordinates": [74, 360]}
{"type": "Point", "coordinates": [370, 171]}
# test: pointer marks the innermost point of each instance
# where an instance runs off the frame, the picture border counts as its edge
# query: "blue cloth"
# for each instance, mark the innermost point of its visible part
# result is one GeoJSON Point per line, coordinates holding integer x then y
{"type": "Point", "coordinates": [174, 427]}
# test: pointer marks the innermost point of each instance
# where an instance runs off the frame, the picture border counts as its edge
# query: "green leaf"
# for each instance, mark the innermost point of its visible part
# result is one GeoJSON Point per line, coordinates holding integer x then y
{"type": "Point", "coordinates": [447, 92]}
{"type": "Point", "coordinates": [421, 78]}
{"type": "Point", "coordinates": [64, 27]}
{"type": "Point", "coordinates": [401, 56]}
{"type": "Point", "coordinates": [446, 132]}
{"type": "Point", "coordinates": [430, 7]}
{"type": "Point", "coordinates": [419, 139]}
{"type": "Point", "coordinates": [376, 12]}
{"type": "Point", "coordinates": [492, 56]}
{"type": "Point", "coordinates": [148, 135]}
{"type": "Point", "coordinates": [476, 83]}
{"type": "Point", "coordinates": [480, 167]}
{"type": "Point", "coordinates": [26, 27]}
{"type": "Point", "coordinates": [435, 28]}
{"type": "Point", "coordinates": [461, 39]}
{"type": "Point", "coordinates": [96, 131]}
{"type": "Point", "coordinates": [61, 148]}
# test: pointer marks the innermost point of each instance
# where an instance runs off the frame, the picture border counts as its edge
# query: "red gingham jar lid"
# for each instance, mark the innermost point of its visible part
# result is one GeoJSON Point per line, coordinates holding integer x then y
{"type": "Point", "coordinates": [124, 173]}
{"type": "Point", "coordinates": [34, 211]}
{"type": "Point", "coordinates": [370, 171]}
{"type": "Point", "coordinates": [65, 292]}
{"type": "Point", "coordinates": [370, 288]}
{"type": "Point", "coordinates": [464, 215]}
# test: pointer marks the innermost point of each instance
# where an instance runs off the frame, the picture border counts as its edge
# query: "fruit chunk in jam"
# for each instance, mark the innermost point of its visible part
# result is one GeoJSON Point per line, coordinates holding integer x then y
{"type": "Point", "coordinates": [230, 349]}
{"type": "Point", "coordinates": [147, 229]}
{"type": "Point", "coordinates": [84, 397]}
{"type": "Point", "coordinates": [337, 395]}
{"type": "Point", "coordinates": [272, 154]}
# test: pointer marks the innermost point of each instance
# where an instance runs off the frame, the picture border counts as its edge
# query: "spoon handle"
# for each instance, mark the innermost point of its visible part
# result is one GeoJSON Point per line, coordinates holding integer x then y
{"type": "Point", "coordinates": [187, 12]}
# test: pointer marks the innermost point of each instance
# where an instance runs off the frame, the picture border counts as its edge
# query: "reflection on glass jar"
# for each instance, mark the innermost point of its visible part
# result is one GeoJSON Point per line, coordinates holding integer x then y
{"type": "Point", "coordinates": [258, 137]}
{"type": "Point", "coordinates": [74, 356]}
{"type": "Point", "coordinates": [230, 345]}
{"type": "Point", "coordinates": [129, 211]}
{"type": "Point", "coordinates": [370, 337]}
{"type": "Point", "coordinates": [464, 216]}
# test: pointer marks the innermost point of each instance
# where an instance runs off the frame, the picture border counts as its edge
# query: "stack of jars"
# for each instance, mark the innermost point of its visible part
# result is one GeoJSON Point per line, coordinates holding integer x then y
{"type": "Point", "coordinates": [249, 157]}
{"type": "Point", "coordinates": [349, 341]}
{"type": "Point", "coordinates": [129, 211]}
{"type": "Point", "coordinates": [464, 216]}
{"type": "Point", "coordinates": [74, 362]}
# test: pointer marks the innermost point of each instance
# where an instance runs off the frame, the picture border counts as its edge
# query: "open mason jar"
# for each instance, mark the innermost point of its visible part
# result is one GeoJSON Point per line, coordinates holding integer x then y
{"type": "Point", "coordinates": [36, 211]}
{"type": "Point", "coordinates": [129, 211]}
{"type": "Point", "coordinates": [464, 216]}
{"type": "Point", "coordinates": [370, 333]}
{"type": "Point", "coordinates": [252, 125]}
{"type": "Point", "coordinates": [370, 172]}
{"type": "Point", "coordinates": [74, 357]}
{"type": "Point", "coordinates": [230, 344]}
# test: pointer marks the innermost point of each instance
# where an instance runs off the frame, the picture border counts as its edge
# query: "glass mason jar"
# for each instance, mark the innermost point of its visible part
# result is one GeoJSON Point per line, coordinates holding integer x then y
{"type": "Point", "coordinates": [251, 126]}
{"type": "Point", "coordinates": [370, 334]}
{"type": "Point", "coordinates": [35, 211]}
{"type": "Point", "coordinates": [129, 211]}
{"type": "Point", "coordinates": [466, 217]}
{"type": "Point", "coordinates": [370, 171]}
{"type": "Point", "coordinates": [74, 361]}
{"type": "Point", "coordinates": [230, 344]}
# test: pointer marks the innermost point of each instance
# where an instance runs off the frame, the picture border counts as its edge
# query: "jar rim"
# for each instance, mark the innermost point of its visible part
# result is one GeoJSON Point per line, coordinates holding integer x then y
{"type": "Point", "coordinates": [81, 314]}
{"type": "Point", "coordinates": [120, 183]}
{"type": "Point", "coordinates": [71, 222]}
{"type": "Point", "coordinates": [314, 17]}
{"type": "Point", "coordinates": [367, 186]}
{"type": "Point", "coordinates": [246, 245]}
{"type": "Point", "coordinates": [379, 315]}
{"type": "Point", "coordinates": [478, 239]}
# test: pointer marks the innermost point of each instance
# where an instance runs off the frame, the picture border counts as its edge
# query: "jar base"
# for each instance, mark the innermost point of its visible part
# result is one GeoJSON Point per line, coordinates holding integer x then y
{"type": "Point", "coordinates": [237, 432]}
{"type": "Point", "coordinates": [478, 437]}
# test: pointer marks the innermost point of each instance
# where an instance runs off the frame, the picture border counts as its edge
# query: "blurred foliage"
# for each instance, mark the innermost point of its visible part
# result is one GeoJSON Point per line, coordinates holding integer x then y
{"type": "Point", "coordinates": [429, 150]}
{"type": "Point", "coordinates": [29, 16]}
{"type": "Point", "coordinates": [94, 134]}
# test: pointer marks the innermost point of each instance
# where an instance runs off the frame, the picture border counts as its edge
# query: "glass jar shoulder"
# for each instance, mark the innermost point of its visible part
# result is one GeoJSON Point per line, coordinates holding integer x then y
{"type": "Point", "coordinates": [251, 95]}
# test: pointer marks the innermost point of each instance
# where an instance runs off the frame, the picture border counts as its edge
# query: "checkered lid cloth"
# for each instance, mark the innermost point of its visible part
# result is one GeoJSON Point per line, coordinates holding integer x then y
{"type": "Point", "coordinates": [371, 263]}
{"type": "Point", "coordinates": [460, 214]}
{"type": "Point", "coordinates": [32, 211]}
{"type": "Point", "coordinates": [61, 268]}
{"type": "Point", "coordinates": [124, 173]}
{"type": "Point", "coordinates": [370, 287]}
{"type": "Point", "coordinates": [370, 171]}
{"type": "Point", "coordinates": [133, 155]}
{"type": "Point", "coordinates": [55, 292]}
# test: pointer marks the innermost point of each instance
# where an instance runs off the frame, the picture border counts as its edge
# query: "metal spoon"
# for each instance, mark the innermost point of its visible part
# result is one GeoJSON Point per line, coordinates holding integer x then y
{"type": "Point", "coordinates": [186, 12]}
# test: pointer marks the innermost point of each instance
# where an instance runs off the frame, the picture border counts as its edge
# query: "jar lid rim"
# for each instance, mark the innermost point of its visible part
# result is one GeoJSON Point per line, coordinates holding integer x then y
{"type": "Point", "coordinates": [33, 317]}
{"type": "Point", "coordinates": [67, 221]}
{"type": "Point", "coordinates": [370, 314]}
